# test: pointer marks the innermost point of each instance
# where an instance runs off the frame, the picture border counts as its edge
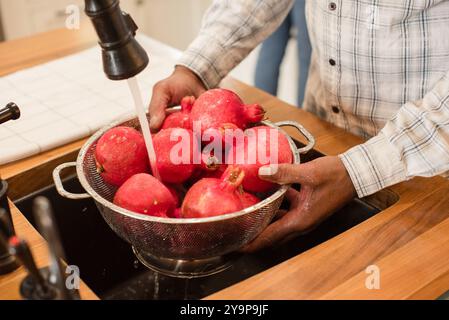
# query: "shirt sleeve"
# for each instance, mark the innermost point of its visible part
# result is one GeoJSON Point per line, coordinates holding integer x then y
{"type": "Point", "coordinates": [230, 30]}
{"type": "Point", "coordinates": [414, 143]}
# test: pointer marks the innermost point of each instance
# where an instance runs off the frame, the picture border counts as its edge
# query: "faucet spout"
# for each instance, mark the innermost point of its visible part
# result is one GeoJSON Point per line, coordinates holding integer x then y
{"type": "Point", "coordinates": [123, 56]}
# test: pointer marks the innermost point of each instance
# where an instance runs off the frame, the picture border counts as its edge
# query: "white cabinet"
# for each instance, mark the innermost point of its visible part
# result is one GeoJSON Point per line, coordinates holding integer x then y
{"type": "Point", "coordinates": [25, 17]}
{"type": "Point", "coordinates": [22, 18]}
{"type": "Point", "coordinates": [175, 22]}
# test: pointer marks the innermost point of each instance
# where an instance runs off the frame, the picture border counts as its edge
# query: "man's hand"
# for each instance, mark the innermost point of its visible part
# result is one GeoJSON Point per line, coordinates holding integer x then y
{"type": "Point", "coordinates": [169, 92]}
{"type": "Point", "coordinates": [325, 187]}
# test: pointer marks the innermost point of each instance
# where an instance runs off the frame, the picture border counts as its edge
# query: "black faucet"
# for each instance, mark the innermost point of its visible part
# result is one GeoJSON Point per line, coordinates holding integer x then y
{"type": "Point", "coordinates": [123, 56]}
{"type": "Point", "coordinates": [48, 283]}
{"type": "Point", "coordinates": [8, 263]}
{"type": "Point", "coordinates": [10, 112]}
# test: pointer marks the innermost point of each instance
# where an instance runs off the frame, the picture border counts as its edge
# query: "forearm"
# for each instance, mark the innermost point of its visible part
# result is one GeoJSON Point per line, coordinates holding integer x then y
{"type": "Point", "coordinates": [230, 30]}
{"type": "Point", "coordinates": [414, 143]}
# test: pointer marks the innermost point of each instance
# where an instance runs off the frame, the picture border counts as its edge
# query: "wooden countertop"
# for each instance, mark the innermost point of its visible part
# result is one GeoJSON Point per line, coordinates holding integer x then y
{"type": "Point", "coordinates": [409, 241]}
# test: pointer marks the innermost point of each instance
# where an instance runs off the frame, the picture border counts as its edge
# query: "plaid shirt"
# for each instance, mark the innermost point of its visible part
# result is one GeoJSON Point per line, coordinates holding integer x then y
{"type": "Point", "coordinates": [380, 69]}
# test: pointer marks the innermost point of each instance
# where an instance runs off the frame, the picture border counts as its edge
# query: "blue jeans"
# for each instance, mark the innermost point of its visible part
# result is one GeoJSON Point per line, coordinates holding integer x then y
{"type": "Point", "coordinates": [273, 51]}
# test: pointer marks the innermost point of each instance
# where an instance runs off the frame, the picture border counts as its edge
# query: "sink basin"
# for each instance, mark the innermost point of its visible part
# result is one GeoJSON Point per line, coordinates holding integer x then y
{"type": "Point", "coordinates": [109, 267]}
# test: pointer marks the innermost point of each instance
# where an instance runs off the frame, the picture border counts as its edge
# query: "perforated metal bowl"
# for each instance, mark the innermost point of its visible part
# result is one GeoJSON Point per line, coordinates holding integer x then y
{"type": "Point", "coordinates": [176, 242]}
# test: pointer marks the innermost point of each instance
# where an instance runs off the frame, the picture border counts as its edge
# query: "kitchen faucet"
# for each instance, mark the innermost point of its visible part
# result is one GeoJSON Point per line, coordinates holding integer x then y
{"type": "Point", "coordinates": [48, 283]}
{"type": "Point", "coordinates": [123, 56]}
{"type": "Point", "coordinates": [8, 263]}
{"type": "Point", "coordinates": [10, 112]}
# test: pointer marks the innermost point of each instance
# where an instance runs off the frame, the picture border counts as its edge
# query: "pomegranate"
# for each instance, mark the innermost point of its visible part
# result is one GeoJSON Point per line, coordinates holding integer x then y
{"type": "Point", "coordinates": [256, 152]}
{"type": "Point", "coordinates": [217, 173]}
{"type": "Point", "coordinates": [220, 106]}
{"type": "Point", "coordinates": [177, 213]}
{"type": "Point", "coordinates": [121, 153]}
{"type": "Point", "coordinates": [248, 199]}
{"type": "Point", "coordinates": [175, 159]}
{"type": "Point", "coordinates": [143, 193]}
{"type": "Point", "coordinates": [220, 134]}
{"type": "Point", "coordinates": [212, 197]}
{"type": "Point", "coordinates": [180, 119]}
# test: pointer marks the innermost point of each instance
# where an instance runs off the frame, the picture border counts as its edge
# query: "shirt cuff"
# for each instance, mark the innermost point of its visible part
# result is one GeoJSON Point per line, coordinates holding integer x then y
{"type": "Point", "coordinates": [201, 57]}
{"type": "Point", "coordinates": [374, 165]}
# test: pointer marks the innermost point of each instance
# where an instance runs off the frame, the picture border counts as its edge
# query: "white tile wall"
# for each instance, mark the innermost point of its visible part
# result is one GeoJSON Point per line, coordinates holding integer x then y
{"type": "Point", "coordinates": [71, 98]}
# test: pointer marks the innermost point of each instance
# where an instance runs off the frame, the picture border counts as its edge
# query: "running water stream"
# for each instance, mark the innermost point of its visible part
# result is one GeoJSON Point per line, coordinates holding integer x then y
{"type": "Point", "coordinates": [140, 109]}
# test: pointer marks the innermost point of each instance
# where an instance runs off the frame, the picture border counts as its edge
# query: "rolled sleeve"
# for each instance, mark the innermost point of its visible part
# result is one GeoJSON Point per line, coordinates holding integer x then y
{"type": "Point", "coordinates": [414, 143]}
{"type": "Point", "coordinates": [374, 165]}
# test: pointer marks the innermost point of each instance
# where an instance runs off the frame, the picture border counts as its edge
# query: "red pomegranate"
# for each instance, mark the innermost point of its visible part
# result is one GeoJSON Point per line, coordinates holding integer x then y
{"type": "Point", "coordinates": [180, 119]}
{"type": "Point", "coordinates": [176, 214]}
{"type": "Point", "coordinates": [248, 199]}
{"type": "Point", "coordinates": [121, 153]}
{"type": "Point", "coordinates": [143, 193]}
{"type": "Point", "coordinates": [256, 151]}
{"type": "Point", "coordinates": [175, 151]}
{"type": "Point", "coordinates": [221, 137]}
{"type": "Point", "coordinates": [217, 107]}
{"type": "Point", "coordinates": [212, 197]}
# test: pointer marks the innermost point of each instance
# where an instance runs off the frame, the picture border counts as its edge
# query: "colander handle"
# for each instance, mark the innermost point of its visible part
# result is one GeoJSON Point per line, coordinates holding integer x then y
{"type": "Point", "coordinates": [303, 131]}
{"type": "Point", "coordinates": [60, 187]}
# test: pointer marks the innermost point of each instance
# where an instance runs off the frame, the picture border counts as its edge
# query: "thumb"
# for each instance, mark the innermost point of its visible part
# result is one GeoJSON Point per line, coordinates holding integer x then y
{"type": "Point", "coordinates": [159, 102]}
{"type": "Point", "coordinates": [283, 173]}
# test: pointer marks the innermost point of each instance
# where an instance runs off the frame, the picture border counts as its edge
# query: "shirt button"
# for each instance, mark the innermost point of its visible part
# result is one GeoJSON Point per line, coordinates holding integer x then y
{"type": "Point", "coordinates": [335, 109]}
{"type": "Point", "coordinates": [332, 6]}
{"type": "Point", "coordinates": [332, 62]}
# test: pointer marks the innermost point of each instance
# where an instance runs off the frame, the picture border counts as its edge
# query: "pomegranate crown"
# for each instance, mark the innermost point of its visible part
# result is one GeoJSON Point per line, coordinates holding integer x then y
{"type": "Point", "coordinates": [254, 113]}
{"type": "Point", "coordinates": [232, 178]}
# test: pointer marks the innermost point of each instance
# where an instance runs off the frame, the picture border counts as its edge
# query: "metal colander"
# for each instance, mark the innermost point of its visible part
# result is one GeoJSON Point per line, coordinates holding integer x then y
{"type": "Point", "coordinates": [169, 238]}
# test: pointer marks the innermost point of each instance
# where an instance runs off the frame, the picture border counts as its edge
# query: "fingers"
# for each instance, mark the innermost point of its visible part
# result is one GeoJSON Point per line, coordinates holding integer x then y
{"type": "Point", "coordinates": [183, 82]}
{"type": "Point", "coordinates": [274, 233]}
{"type": "Point", "coordinates": [187, 103]}
{"type": "Point", "coordinates": [280, 229]}
{"type": "Point", "coordinates": [280, 214]}
{"type": "Point", "coordinates": [293, 197]}
{"type": "Point", "coordinates": [283, 173]}
{"type": "Point", "coordinates": [159, 102]}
